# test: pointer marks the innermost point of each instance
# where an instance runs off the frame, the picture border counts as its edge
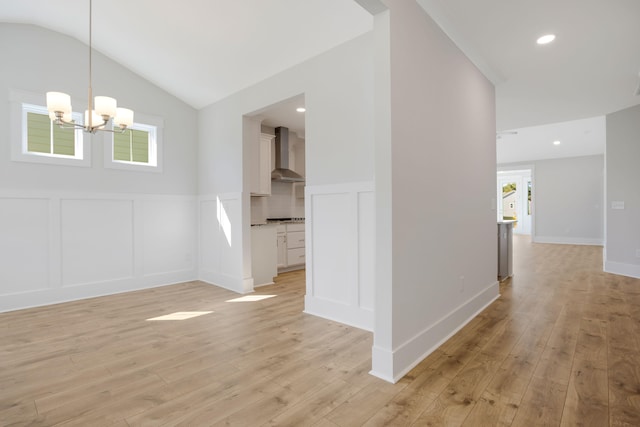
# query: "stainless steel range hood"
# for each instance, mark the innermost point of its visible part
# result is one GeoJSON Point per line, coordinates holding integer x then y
{"type": "Point", "coordinates": [282, 172]}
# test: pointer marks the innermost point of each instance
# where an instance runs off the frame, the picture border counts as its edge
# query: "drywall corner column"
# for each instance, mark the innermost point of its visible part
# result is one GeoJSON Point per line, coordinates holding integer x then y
{"type": "Point", "coordinates": [437, 246]}
{"type": "Point", "coordinates": [382, 360]}
{"type": "Point", "coordinates": [250, 134]}
{"type": "Point", "coordinates": [623, 199]}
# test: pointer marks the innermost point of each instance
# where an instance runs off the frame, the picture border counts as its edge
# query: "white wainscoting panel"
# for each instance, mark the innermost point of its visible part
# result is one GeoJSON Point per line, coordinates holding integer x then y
{"type": "Point", "coordinates": [220, 218]}
{"type": "Point", "coordinates": [168, 228]}
{"type": "Point", "coordinates": [332, 241]}
{"type": "Point", "coordinates": [340, 253]}
{"type": "Point", "coordinates": [366, 250]}
{"type": "Point", "coordinates": [24, 245]}
{"type": "Point", "coordinates": [57, 247]}
{"type": "Point", "coordinates": [97, 240]}
{"type": "Point", "coordinates": [208, 234]}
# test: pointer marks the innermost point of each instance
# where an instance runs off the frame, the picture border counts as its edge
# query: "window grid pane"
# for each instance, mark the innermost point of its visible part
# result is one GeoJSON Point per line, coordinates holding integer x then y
{"type": "Point", "coordinates": [140, 149]}
{"type": "Point", "coordinates": [121, 147]}
{"type": "Point", "coordinates": [38, 133]}
{"type": "Point", "coordinates": [63, 141]}
{"type": "Point", "coordinates": [131, 146]}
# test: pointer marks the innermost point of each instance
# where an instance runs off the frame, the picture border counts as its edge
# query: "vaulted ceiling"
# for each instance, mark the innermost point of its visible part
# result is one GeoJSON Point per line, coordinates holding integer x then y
{"type": "Point", "coordinates": [204, 50]}
{"type": "Point", "coordinates": [200, 50]}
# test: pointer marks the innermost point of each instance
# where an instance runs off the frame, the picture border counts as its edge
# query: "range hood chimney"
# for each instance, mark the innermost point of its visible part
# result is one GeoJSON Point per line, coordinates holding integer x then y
{"type": "Point", "coordinates": [282, 172]}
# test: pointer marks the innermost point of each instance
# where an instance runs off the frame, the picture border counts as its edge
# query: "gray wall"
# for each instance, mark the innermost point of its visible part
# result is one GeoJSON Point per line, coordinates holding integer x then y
{"type": "Point", "coordinates": [623, 179]}
{"type": "Point", "coordinates": [338, 92]}
{"type": "Point", "coordinates": [568, 197]}
{"type": "Point", "coordinates": [69, 232]}
{"type": "Point", "coordinates": [38, 60]}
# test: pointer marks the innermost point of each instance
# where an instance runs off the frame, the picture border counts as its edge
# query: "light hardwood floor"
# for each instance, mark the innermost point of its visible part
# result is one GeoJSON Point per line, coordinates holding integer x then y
{"type": "Point", "coordinates": [560, 347]}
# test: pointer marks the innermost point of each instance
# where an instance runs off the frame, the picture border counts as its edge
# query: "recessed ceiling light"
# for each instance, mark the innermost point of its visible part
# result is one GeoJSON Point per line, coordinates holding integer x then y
{"type": "Point", "coordinates": [548, 38]}
{"type": "Point", "coordinates": [301, 109]}
{"type": "Point", "coordinates": [556, 142]}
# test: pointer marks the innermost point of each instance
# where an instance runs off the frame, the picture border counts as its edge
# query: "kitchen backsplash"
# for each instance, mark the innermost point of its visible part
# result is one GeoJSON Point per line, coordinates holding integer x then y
{"type": "Point", "coordinates": [282, 203]}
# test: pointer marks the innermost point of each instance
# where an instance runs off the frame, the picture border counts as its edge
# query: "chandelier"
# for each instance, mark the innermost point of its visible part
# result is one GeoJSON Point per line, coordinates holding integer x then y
{"type": "Point", "coordinates": [95, 119]}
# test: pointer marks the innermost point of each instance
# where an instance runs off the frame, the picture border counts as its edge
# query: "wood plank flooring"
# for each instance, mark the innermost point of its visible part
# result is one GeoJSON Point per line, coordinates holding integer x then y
{"type": "Point", "coordinates": [561, 347]}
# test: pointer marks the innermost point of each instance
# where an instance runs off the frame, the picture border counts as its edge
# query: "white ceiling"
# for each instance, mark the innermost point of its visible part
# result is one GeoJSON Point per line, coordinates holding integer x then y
{"type": "Point", "coordinates": [560, 91]}
{"type": "Point", "coordinates": [590, 70]}
{"type": "Point", "coordinates": [284, 114]}
{"type": "Point", "coordinates": [204, 50]}
{"type": "Point", "coordinates": [200, 50]}
{"type": "Point", "coordinates": [581, 137]}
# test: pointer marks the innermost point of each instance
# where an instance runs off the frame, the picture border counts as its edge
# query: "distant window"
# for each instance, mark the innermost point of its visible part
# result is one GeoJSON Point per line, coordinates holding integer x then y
{"type": "Point", "coordinates": [137, 148]}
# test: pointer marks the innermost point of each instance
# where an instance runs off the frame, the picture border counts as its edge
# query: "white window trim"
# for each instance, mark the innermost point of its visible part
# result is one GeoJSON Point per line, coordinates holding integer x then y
{"type": "Point", "coordinates": [147, 123]}
{"type": "Point", "coordinates": [35, 103]}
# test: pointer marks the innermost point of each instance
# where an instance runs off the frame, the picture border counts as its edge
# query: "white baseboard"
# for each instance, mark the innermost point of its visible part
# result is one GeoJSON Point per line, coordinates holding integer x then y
{"type": "Point", "coordinates": [349, 315]}
{"type": "Point", "coordinates": [291, 268]}
{"type": "Point", "coordinates": [381, 357]}
{"type": "Point", "coordinates": [568, 240]}
{"type": "Point", "coordinates": [264, 284]}
{"type": "Point", "coordinates": [234, 284]}
{"type": "Point", "coordinates": [630, 270]}
{"type": "Point", "coordinates": [408, 355]}
{"type": "Point", "coordinates": [49, 296]}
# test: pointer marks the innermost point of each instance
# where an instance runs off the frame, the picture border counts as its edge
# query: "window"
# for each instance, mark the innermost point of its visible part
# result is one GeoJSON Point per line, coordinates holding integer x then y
{"type": "Point", "coordinates": [133, 145]}
{"type": "Point", "coordinates": [137, 148]}
{"type": "Point", "coordinates": [35, 139]}
{"type": "Point", "coordinates": [42, 137]}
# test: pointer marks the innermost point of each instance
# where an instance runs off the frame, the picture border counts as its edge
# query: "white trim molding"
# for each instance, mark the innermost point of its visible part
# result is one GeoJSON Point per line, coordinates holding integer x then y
{"type": "Point", "coordinates": [629, 270]}
{"type": "Point", "coordinates": [589, 241]}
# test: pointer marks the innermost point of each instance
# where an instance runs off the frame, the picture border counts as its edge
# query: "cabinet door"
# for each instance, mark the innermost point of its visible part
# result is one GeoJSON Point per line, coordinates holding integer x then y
{"type": "Point", "coordinates": [295, 239]}
{"type": "Point", "coordinates": [261, 166]}
{"type": "Point", "coordinates": [295, 256]}
{"type": "Point", "coordinates": [265, 164]}
{"type": "Point", "coordinates": [298, 226]}
{"type": "Point", "coordinates": [282, 250]}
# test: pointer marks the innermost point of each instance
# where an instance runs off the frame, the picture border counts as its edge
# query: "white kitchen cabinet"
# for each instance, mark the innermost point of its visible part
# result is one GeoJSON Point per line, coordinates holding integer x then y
{"type": "Point", "coordinates": [296, 226]}
{"type": "Point", "coordinates": [295, 257]}
{"type": "Point", "coordinates": [263, 256]}
{"type": "Point", "coordinates": [281, 237]}
{"type": "Point", "coordinates": [261, 170]}
{"type": "Point", "coordinates": [291, 248]}
{"type": "Point", "coordinates": [295, 245]}
{"type": "Point", "coordinates": [295, 239]}
{"type": "Point", "coordinates": [298, 190]}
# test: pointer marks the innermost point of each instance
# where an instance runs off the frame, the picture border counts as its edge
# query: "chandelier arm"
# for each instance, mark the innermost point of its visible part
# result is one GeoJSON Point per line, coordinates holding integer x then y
{"type": "Point", "coordinates": [68, 125]}
{"type": "Point", "coordinates": [88, 128]}
{"type": "Point", "coordinates": [120, 130]}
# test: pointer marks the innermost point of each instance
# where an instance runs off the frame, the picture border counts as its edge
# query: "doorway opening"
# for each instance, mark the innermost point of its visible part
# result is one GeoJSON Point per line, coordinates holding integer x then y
{"type": "Point", "coordinates": [275, 167]}
{"type": "Point", "coordinates": [515, 196]}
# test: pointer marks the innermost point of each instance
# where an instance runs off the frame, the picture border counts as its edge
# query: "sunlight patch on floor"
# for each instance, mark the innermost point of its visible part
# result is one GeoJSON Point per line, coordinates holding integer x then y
{"type": "Point", "coordinates": [181, 315]}
{"type": "Point", "coordinates": [251, 298]}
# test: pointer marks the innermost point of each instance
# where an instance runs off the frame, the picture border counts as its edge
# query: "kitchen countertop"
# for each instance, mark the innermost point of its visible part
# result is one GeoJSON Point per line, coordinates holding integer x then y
{"type": "Point", "coordinates": [276, 222]}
